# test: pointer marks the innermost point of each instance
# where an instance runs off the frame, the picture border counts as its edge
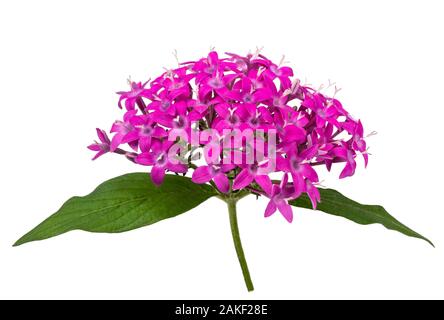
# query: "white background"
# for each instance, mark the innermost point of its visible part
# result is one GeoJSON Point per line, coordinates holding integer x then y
{"type": "Point", "coordinates": [60, 64]}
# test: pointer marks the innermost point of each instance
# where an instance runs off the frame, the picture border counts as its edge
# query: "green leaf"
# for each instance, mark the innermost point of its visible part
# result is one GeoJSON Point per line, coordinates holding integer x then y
{"type": "Point", "coordinates": [332, 202]}
{"type": "Point", "coordinates": [124, 203]}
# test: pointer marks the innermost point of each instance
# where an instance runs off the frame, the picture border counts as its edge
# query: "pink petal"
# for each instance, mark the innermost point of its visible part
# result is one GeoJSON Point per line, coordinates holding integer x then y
{"type": "Point", "coordinates": [226, 167]}
{"type": "Point", "coordinates": [102, 135]}
{"type": "Point", "coordinates": [145, 144]}
{"type": "Point", "coordinates": [202, 175]}
{"type": "Point", "coordinates": [181, 107]}
{"type": "Point", "coordinates": [271, 208]}
{"type": "Point", "coordinates": [340, 152]}
{"type": "Point", "coordinates": [177, 167]}
{"type": "Point", "coordinates": [243, 179]}
{"type": "Point", "coordinates": [365, 155]}
{"type": "Point", "coordinates": [348, 171]}
{"type": "Point", "coordinates": [159, 132]}
{"type": "Point", "coordinates": [213, 58]}
{"type": "Point", "coordinates": [157, 175]}
{"type": "Point", "coordinates": [309, 173]}
{"type": "Point", "coordinates": [94, 147]}
{"type": "Point", "coordinates": [313, 194]}
{"type": "Point", "coordinates": [282, 164]}
{"type": "Point", "coordinates": [261, 95]}
{"type": "Point", "coordinates": [286, 71]}
{"type": "Point", "coordinates": [130, 136]}
{"type": "Point", "coordinates": [145, 159]}
{"type": "Point", "coordinates": [264, 182]}
{"type": "Point", "coordinates": [115, 142]}
{"type": "Point", "coordinates": [222, 109]}
{"type": "Point", "coordinates": [298, 184]}
{"type": "Point", "coordinates": [294, 133]}
{"type": "Point", "coordinates": [286, 210]}
{"type": "Point", "coordinates": [284, 181]}
{"type": "Point", "coordinates": [98, 154]}
{"type": "Point", "coordinates": [222, 182]}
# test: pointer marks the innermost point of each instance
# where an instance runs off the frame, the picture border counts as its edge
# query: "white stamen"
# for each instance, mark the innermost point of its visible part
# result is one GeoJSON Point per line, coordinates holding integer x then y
{"type": "Point", "coordinates": [319, 184]}
{"type": "Point", "coordinates": [146, 82]}
{"type": "Point", "coordinates": [176, 56]}
{"type": "Point", "coordinates": [287, 92]}
{"type": "Point", "coordinates": [336, 91]}
{"type": "Point", "coordinates": [320, 88]}
{"type": "Point", "coordinates": [169, 74]}
{"type": "Point", "coordinates": [366, 151]}
{"type": "Point", "coordinates": [294, 88]}
{"type": "Point", "coordinates": [259, 71]}
{"type": "Point", "coordinates": [257, 53]}
{"type": "Point", "coordinates": [330, 84]}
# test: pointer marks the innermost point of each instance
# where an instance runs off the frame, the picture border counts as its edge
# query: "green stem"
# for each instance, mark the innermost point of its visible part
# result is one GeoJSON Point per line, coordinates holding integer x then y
{"type": "Point", "coordinates": [237, 242]}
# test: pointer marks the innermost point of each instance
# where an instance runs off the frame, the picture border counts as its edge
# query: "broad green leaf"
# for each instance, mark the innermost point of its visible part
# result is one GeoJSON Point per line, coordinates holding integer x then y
{"type": "Point", "coordinates": [332, 202]}
{"type": "Point", "coordinates": [124, 203]}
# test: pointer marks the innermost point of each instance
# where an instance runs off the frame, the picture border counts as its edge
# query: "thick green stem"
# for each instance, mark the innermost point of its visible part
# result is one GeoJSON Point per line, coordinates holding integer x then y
{"type": "Point", "coordinates": [237, 242]}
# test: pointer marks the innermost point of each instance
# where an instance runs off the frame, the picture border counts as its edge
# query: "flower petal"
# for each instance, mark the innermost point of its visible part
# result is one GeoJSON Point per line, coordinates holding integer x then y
{"type": "Point", "coordinates": [115, 142]}
{"type": "Point", "coordinates": [243, 179]}
{"type": "Point", "coordinates": [294, 133]}
{"type": "Point", "coordinates": [177, 167]}
{"type": "Point", "coordinates": [271, 208]}
{"type": "Point", "coordinates": [348, 170]}
{"type": "Point", "coordinates": [202, 175]}
{"type": "Point", "coordinates": [264, 182]}
{"type": "Point", "coordinates": [145, 159]}
{"type": "Point", "coordinates": [222, 182]}
{"type": "Point", "coordinates": [157, 175]}
{"type": "Point", "coordinates": [309, 173]}
{"type": "Point", "coordinates": [285, 210]}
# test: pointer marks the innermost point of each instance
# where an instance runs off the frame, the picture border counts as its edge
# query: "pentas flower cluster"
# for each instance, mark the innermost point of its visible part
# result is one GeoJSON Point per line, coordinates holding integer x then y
{"type": "Point", "coordinates": [235, 122]}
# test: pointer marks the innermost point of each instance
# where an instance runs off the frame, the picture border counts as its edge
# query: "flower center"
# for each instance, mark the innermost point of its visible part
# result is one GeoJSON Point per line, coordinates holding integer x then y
{"type": "Point", "coordinates": [275, 70]}
{"type": "Point", "coordinates": [233, 119]}
{"type": "Point", "coordinates": [162, 159]}
{"type": "Point", "coordinates": [215, 169]}
{"type": "Point", "coordinates": [177, 85]}
{"type": "Point", "coordinates": [146, 130]}
{"type": "Point", "coordinates": [253, 168]}
{"type": "Point", "coordinates": [295, 165]}
{"type": "Point", "coordinates": [104, 146]}
{"type": "Point", "coordinates": [180, 122]}
{"type": "Point", "coordinates": [210, 69]}
{"type": "Point", "coordinates": [248, 98]}
{"type": "Point", "coordinates": [216, 83]}
{"type": "Point", "coordinates": [165, 104]}
{"type": "Point", "coordinates": [254, 121]}
{"type": "Point", "coordinates": [321, 113]}
{"type": "Point", "coordinates": [276, 102]}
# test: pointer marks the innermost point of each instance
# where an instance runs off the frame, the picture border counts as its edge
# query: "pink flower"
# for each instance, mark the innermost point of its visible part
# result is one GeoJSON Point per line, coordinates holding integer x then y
{"type": "Point", "coordinates": [101, 147]}
{"type": "Point", "coordinates": [160, 161]}
{"type": "Point", "coordinates": [347, 155]}
{"type": "Point", "coordinates": [279, 197]}
{"type": "Point", "coordinates": [147, 130]}
{"type": "Point", "coordinates": [124, 131]}
{"type": "Point", "coordinates": [215, 173]}
{"type": "Point", "coordinates": [253, 172]}
{"type": "Point", "coordinates": [134, 96]}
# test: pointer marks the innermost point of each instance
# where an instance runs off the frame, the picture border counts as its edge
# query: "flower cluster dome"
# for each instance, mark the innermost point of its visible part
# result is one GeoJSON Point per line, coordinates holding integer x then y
{"type": "Point", "coordinates": [249, 117]}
